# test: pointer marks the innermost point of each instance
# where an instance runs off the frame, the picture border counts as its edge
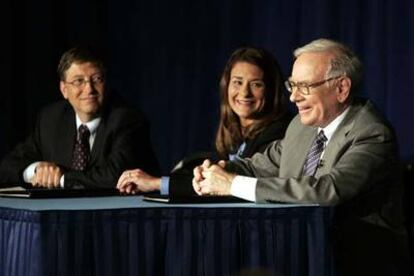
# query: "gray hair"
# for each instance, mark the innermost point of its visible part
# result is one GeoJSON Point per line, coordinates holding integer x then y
{"type": "Point", "coordinates": [344, 62]}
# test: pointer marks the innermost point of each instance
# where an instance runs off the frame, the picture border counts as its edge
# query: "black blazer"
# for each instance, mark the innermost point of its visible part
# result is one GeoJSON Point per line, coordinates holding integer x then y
{"type": "Point", "coordinates": [122, 142]}
{"type": "Point", "coordinates": [181, 179]}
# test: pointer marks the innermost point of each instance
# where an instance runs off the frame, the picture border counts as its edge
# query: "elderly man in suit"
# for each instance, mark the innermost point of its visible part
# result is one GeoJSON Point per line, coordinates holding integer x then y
{"type": "Point", "coordinates": [337, 151]}
{"type": "Point", "coordinates": [86, 140]}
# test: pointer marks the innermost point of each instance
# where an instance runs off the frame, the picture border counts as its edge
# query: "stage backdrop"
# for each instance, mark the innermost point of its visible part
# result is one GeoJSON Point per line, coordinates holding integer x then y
{"type": "Point", "coordinates": [166, 57]}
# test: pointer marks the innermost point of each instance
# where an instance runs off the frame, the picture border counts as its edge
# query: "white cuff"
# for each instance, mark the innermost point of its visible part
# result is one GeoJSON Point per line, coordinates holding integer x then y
{"type": "Point", "coordinates": [29, 172]}
{"type": "Point", "coordinates": [244, 187]}
{"type": "Point", "coordinates": [62, 181]}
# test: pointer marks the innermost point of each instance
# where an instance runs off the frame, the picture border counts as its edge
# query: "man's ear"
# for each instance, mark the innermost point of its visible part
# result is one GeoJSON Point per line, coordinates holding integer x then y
{"type": "Point", "coordinates": [344, 88]}
{"type": "Point", "coordinates": [62, 87]}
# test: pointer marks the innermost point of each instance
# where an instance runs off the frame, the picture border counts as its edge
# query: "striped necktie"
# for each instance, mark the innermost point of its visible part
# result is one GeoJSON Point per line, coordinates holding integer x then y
{"type": "Point", "coordinates": [312, 159]}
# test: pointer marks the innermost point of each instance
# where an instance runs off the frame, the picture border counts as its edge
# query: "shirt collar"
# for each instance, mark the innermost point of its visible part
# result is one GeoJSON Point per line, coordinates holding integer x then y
{"type": "Point", "coordinates": [92, 125]}
{"type": "Point", "coordinates": [330, 129]}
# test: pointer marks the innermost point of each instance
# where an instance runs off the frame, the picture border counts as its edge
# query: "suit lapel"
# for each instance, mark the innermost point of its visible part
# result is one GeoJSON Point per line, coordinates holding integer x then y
{"type": "Point", "coordinates": [295, 153]}
{"type": "Point", "coordinates": [99, 140]}
{"type": "Point", "coordinates": [66, 134]}
{"type": "Point", "coordinates": [338, 141]}
{"type": "Point", "coordinates": [251, 148]}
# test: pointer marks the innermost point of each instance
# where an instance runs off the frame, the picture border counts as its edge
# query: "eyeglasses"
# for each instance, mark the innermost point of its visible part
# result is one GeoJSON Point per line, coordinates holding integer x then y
{"type": "Point", "coordinates": [304, 88]}
{"type": "Point", "coordinates": [94, 81]}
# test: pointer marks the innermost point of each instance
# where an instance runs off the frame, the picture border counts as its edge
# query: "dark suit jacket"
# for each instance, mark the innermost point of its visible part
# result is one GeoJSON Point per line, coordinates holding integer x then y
{"type": "Point", "coordinates": [360, 175]}
{"type": "Point", "coordinates": [180, 180]}
{"type": "Point", "coordinates": [122, 142]}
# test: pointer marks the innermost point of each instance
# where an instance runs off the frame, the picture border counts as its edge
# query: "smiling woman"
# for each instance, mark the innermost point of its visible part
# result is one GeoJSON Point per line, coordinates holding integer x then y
{"type": "Point", "coordinates": [246, 92]}
{"type": "Point", "coordinates": [253, 114]}
{"type": "Point", "coordinates": [252, 99]}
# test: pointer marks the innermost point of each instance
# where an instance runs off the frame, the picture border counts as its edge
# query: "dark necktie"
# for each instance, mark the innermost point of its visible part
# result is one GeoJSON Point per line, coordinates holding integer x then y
{"type": "Point", "coordinates": [312, 159]}
{"type": "Point", "coordinates": [81, 150]}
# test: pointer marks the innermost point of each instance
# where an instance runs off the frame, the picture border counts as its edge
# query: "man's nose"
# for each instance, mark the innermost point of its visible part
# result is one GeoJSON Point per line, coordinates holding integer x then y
{"type": "Point", "coordinates": [89, 87]}
{"type": "Point", "coordinates": [295, 95]}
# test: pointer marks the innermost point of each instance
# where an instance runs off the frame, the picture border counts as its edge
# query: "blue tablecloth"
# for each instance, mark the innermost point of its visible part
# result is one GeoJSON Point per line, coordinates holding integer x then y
{"type": "Point", "coordinates": [128, 236]}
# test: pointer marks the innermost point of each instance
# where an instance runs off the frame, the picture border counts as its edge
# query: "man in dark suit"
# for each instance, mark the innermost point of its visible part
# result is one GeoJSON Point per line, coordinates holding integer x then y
{"type": "Point", "coordinates": [337, 151]}
{"type": "Point", "coordinates": [86, 140]}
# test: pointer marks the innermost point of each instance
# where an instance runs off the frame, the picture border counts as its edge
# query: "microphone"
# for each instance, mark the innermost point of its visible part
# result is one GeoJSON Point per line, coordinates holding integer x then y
{"type": "Point", "coordinates": [320, 163]}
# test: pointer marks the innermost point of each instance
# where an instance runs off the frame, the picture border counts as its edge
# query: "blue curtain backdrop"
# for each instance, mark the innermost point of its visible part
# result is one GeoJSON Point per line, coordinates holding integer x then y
{"type": "Point", "coordinates": [166, 56]}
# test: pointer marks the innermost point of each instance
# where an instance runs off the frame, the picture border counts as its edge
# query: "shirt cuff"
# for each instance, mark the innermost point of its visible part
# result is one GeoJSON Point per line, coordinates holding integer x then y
{"type": "Point", "coordinates": [244, 187]}
{"type": "Point", "coordinates": [29, 172]}
{"type": "Point", "coordinates": [62, 181]}
{"type": "Point", "coordinates": [165, 185]}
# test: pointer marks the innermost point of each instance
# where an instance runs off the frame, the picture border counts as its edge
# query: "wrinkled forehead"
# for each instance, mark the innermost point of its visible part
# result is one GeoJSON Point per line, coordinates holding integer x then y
{"type": "Point", "coordinates": [311, 66]}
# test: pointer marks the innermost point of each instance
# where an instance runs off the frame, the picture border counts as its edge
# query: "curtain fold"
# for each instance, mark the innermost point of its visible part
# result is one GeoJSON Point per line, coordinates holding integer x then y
{"type": "Point", "coordinates": [166, 241]}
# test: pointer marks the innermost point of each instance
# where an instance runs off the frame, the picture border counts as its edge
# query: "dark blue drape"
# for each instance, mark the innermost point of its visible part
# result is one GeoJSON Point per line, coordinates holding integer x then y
{"type": "Point", "coordinates": [166, 241]}
{"type": "Point", "coordinates": [167, 56]}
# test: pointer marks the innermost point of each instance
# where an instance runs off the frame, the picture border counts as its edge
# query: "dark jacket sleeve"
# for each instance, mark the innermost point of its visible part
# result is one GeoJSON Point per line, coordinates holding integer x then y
{"type": "Point", "coordinates": [274, 131]}
{"type": "Point", "coordinates": [181, 181]}
{"type": "Point", "coordinates": [15, 162]}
